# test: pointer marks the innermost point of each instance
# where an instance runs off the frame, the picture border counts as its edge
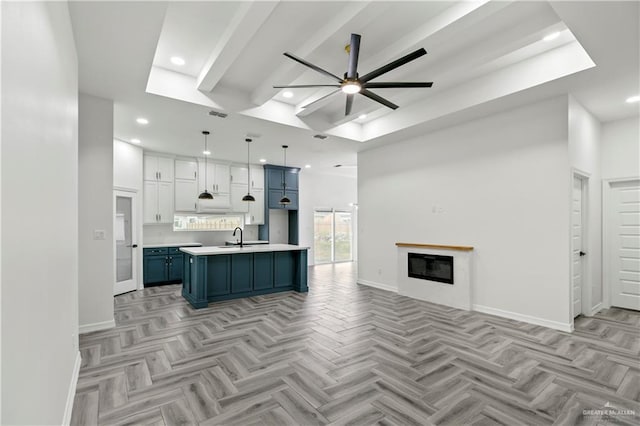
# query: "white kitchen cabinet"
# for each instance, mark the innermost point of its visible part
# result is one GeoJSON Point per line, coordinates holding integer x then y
{"type": "Point", "coordinates": [158, 202]}
{"type": "Point", "coordinates": [186, 195]}
{"type": "Point", "coordinates": [239, 190]}
{"type": "Point", "coordinates": [187, 170]}
{"type": "Point", "coordinates": [158, 168]}
{"type": "Point", "coordinates": [257, 177]}
{"type": "Point", "coordinates": [239, 175]}
{"type": "Point", "coordinates": [255, 216]}
{"type": "Point", "coordinates": [217, 177]}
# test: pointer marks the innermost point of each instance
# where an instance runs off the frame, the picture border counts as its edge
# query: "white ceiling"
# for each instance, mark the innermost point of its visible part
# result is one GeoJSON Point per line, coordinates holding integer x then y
{"type": "Point", "coordinates": [482, 56]}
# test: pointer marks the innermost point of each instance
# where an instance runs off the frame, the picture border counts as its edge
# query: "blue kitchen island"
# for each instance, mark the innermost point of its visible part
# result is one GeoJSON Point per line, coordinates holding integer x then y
{"type": "Point", "coordinates": [211, 274]}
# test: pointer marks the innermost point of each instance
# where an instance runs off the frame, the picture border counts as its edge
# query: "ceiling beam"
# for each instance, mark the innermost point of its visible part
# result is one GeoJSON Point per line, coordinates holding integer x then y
{"type": "Point", "coordinates": [288, 71]}
{"type": "Point", "coordinates": [245, 23]}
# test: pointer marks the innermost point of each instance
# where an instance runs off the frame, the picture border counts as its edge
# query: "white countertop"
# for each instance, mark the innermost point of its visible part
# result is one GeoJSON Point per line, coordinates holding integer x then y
{"type": "Point", "coordinates": [248, 242]}
{"type": "Point", "coordinates": [205, 251]}
{"type": "Point", "coordinates": [172, 245]}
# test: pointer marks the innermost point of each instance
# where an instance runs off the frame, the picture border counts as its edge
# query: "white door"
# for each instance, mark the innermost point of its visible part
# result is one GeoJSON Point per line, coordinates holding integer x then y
{"type": "Point", "coordinates": [623, 230]}
{"type": "Point", "coordinates": [187, 170]}
{"type": "Point", "coordinates": [577, 244]}
{"type": "Point", "coordinates": [256, 209]}
{"type": "Point", "coordinates": [126, 244]}
{"type": "Point", "coordinates": [238, 191]}
{"type": "Point", "coordinates": [222, 178]}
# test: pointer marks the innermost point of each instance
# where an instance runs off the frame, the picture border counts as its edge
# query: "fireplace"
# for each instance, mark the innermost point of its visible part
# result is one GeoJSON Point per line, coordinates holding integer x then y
{"type": "Point", "coordinates": [431, 267]}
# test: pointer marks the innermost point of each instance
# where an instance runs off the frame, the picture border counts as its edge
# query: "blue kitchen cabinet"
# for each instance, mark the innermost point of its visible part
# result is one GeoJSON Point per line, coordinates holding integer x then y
{"type": "Point", "coordinates": [279, 179]}
{"type": "Point", "coordinates": [284, 268]}
{"type": "Point", "coordinates": [162, 265]}
{"type": "Point", "coordinates": [241, 273]}
{"type": "Point", "coordinates": [262, 271]}
{"type": "Point", "coordinates": [216, 277]}
{"type": "Point", "coordinates": [218, 274]}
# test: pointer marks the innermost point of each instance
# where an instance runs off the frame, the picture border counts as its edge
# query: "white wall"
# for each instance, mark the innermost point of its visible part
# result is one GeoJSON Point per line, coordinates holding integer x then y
{"type": "Point", "coordinates": [499, 184]}
{"type": "Point", "coordinates": [319, 190]}
{"type": "Point", "coordinates": [621, 148]}
{"type": "Point", "coordinates": [39, 213]}
{"type": "Point", "coordinates": [584, 157]}
{"type": "Point", "coordinates": [95, 209]}
{"type": "Point", "coordinates": [127, 166]}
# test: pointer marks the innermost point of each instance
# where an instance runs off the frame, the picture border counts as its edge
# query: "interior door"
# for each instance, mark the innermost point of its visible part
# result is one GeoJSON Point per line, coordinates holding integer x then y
{"type": "Point", "coordinates": [623, 230]}
{"type": "Point", "coordinates": [577, 244]}
{"type": "Point", "coordinates": [125, 236]}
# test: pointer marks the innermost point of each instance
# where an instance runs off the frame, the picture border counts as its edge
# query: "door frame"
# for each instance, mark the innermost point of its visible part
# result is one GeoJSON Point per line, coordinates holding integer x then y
{"type": "Point", "coordinates": [585, 296]}
{"type": "Point", "coordinates": [607, 203]}
{"type": "Point", "coordinates": [136, 262]}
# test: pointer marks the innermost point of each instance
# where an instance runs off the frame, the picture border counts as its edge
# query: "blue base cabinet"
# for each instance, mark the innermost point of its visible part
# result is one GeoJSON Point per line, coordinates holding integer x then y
{"type": "Point", "coordinates": [162, 265]}
{"type": "Point", "coordinates": [230, 276]}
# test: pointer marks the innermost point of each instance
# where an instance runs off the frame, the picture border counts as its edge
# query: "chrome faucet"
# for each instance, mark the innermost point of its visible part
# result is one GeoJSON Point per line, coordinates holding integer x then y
{"type": "Point", "coordinates": [234, 234]}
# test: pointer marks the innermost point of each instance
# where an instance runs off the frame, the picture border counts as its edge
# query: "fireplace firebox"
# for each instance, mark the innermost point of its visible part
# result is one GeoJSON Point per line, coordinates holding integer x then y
{"type": "Point", "coordinates": [431, 267]}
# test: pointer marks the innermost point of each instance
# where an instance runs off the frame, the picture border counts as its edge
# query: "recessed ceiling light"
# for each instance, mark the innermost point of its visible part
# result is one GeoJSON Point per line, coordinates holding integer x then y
{"type": "Point", "coordinates": [633, 99]}
{"type": "Point", "coordinates": [177, 60]}
{"type": "Point", "coordinates": [362, 116]}
{"type": "Point", "coordinates": [262, 160]}
{"type": "Point", "coordinates": [142, 120]}
{"type": "Point", "coordinates": [287, 94]}
{"type": "Point", "coordinates": [551, 36]}
{"type": "Point", "coordinates": [206, 152]}
{"type": "Point", "coordinates": [135, 140]}
{"type": "Point", "coordinates": [307, 166]}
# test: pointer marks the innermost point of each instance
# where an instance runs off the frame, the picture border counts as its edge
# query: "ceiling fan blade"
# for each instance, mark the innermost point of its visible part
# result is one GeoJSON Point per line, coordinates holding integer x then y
{"type": "Point", "coordinates": [393, 65]}
{"type": "Point", "coordinates": [390, 85]}
{"type": "Point", "coordinates": [347, 110]}
{"type": "Point", "coordinates": [320, 99]}
{"type": "Point", "coordinates": [313, 67]}
{"type": "Point", "coordinates": [300, 86]}
{"type": "Point", "coordinates": [378, 99]}
{"type": "Point", "coordinates": [354, 52]}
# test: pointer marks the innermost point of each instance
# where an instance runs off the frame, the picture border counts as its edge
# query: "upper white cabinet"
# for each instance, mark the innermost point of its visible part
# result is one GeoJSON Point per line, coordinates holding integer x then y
{"type": "Point", "coordinates": [186, 196]}
{"type": "Point", "coordinates": [187, 170]}
{"type": "Point", "coordinates": [255, 216]}
{"type": "Point", "coordinates": [186, 186]}
{"type": "Point", "coordinates": [217, 177]}
{"type": "Point", "coordinates": [158, 202]}
{"type": "Point", "coordinates": [257, 177]}
{"type": "Point", "coordinates": [158, 168]}
{"type": "Point", "coordinates": [239, 175]}
{"type": "Point", "coordinates": [239, 190]}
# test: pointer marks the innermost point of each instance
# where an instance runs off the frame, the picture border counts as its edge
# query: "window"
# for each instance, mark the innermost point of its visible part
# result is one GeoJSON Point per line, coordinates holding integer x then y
{"type": "Point", "coordinates": [332, 236]}
{"type": "Point", "coordinates": [212, 222]}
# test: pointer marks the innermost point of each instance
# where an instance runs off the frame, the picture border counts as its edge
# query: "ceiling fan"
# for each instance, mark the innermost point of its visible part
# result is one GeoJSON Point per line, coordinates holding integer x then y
{"type": "Point", "coordinates": [352, 83]}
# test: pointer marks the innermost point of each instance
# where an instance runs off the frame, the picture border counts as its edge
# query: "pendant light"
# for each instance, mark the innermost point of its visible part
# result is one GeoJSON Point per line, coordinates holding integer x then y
{"type": "Point", "coordinates": [248, 197]}
{"type": "Point", "coordinates": [285, 199]}
{"type": "Point", "coordinates": [205, 195]}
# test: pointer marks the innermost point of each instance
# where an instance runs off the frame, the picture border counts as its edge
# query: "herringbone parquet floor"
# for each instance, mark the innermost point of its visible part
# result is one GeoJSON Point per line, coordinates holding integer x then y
{"type": "Point", "coordinates": [349, 354]}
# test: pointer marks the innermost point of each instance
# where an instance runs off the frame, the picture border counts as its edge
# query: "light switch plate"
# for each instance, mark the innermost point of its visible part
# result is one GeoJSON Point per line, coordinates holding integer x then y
{"type": "Point", "coordinates": [99, 234]}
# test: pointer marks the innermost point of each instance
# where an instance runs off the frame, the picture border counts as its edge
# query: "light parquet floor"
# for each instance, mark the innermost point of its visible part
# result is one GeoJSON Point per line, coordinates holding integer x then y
{"type": "Point", "coordinates": [349, 354]}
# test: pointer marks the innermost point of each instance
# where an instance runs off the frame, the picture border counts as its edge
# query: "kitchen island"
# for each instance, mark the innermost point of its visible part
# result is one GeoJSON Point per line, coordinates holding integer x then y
{"type": "Point", "coordinates": [212, 274]}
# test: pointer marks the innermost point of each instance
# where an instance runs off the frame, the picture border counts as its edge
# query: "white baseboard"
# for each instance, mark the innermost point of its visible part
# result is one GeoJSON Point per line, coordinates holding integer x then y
{"type": "Point", "coordinates": [596, 309]}
{"type": "Point", "coordinates": [566, 327]}
{"type": "Point", "coordinates": [71, 395]}
{"type": "Point", "coordinates": [97, 326]}
{"type": "Point", "coordinates": [381, 286]}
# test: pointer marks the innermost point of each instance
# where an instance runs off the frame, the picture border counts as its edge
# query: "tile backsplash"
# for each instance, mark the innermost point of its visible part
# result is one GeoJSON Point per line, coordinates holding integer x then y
{"type": "Point", "coordinates": [163, 234]}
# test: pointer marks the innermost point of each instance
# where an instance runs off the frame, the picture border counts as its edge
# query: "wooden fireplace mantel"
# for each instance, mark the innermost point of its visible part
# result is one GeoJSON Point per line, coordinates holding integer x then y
{"type": "Point", "coordinates": [435, 246]}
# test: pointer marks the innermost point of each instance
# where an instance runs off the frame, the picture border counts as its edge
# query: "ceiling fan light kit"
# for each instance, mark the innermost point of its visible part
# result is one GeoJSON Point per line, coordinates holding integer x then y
{"type": "Point", "coordinates": [352, 83]}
